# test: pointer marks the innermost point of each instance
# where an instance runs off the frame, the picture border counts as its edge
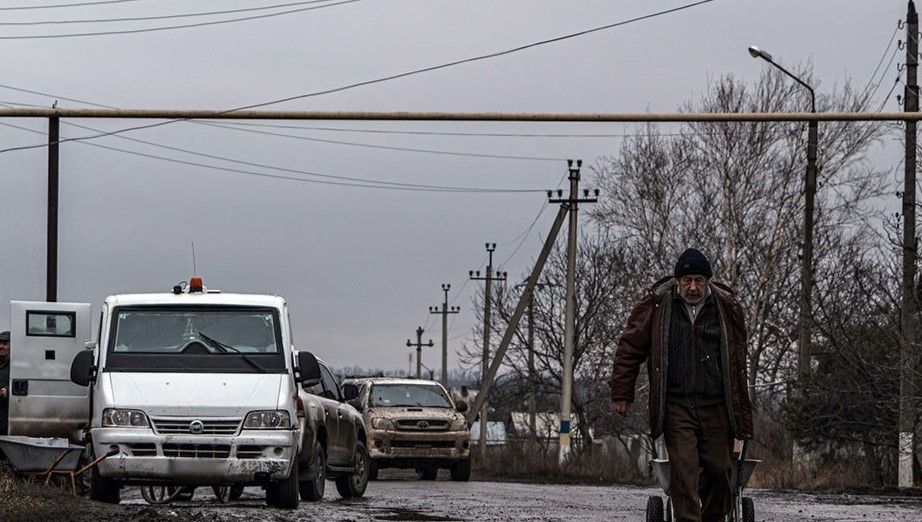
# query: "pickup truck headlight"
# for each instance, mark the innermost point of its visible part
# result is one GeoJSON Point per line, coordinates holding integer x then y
{"type": "Point", "coordinates": [459, 425]}
{"type": "Point", "coordinates": [114, 417]}
{"type": "Point", "coordinates": [267, 420]}
{"type": "Point", "coordinates": [381, 423]}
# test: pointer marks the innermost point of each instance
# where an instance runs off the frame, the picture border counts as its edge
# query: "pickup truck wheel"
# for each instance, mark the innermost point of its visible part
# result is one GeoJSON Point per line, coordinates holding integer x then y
{"type": "Point", "coordinates": [372, 469]}
{"type": "Point", "coordinates": [461, 471]}
{"type": "Point", "coordinates": [353, 486]}
{"type": "Point", "coordinates": [103, 489]}
{"type": "Point", "coordinates": [313, 489]}
{"type": "Point", "coordinates": [427, 473]}
{"type": "Point", "coordinates": [287, 494]}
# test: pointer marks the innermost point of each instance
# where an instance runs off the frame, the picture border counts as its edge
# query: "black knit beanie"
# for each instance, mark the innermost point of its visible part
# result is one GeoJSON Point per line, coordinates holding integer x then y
{"type": "Point", "coordinates": [693, 262]}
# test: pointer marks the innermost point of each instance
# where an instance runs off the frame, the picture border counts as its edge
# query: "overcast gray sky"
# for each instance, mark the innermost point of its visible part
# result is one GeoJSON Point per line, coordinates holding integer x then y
{"type": "Point", "coordinates": [359, 266]}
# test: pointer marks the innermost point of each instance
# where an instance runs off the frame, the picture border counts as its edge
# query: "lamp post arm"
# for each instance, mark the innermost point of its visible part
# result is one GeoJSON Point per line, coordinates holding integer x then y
{"type": "Point", "coordinates": [796, 79]}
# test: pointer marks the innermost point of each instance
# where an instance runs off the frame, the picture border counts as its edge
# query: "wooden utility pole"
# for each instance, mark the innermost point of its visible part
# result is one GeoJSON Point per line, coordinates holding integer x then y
{"type": "Point", "coordinates": [910, 305]}
{"type": "Point", "coordinates": [489, 277]}
{"type": "Point", "coordinates": [419, 350]}
{"type": "Point", "coordinates": [445, 310]}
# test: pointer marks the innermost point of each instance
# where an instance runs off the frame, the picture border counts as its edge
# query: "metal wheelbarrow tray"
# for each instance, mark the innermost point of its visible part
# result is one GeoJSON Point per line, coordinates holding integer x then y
{"type": "Point", "coordinates": [37, 454]}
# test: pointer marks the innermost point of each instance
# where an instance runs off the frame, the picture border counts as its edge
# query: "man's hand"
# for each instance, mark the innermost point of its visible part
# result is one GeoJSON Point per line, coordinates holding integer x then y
{"type": "Point", "coordinates": [621, 407]}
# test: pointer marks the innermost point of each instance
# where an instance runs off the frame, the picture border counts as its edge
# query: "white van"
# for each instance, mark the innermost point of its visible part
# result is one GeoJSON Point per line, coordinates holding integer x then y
{"type": "Point", "coordinates": [185, 388]}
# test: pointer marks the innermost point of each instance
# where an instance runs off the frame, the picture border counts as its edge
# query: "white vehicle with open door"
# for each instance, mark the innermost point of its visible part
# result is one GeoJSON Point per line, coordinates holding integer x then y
{"type": "Point", "coordinates": [185, 388]}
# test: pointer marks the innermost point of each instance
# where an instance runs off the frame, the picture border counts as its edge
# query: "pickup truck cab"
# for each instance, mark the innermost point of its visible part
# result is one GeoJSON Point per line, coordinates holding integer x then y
{"type": "Point", "coordinates": [191, 387]}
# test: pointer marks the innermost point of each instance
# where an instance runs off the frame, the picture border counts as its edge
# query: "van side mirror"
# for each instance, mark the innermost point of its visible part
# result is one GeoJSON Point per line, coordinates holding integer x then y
{"type": "Point", "coordinates": [308, 369]}
{"type": "Point", "coordinates": [83, 369]}
{"type": "Point", "coordinates": [462, 407]}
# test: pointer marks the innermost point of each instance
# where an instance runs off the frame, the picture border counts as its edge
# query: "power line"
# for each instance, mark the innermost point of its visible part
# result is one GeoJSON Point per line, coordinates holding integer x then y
{"type": "Point", "coordinates": [359, 183]}
{"type": "Point", "coordinates": [56, 6]}
{"type": "Point", "coordinates": [392, 77]}
{"type": "Point", "coordinates": [163, 17]}
{"type": "Point", "coordinates": [386, 147]}
{"type": "Point", "coordinates": [172, 27]}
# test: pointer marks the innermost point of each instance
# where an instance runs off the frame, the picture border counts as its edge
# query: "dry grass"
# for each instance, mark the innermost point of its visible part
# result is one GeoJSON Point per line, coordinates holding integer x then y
{"type": "Point", "coordinates": [531, 462]}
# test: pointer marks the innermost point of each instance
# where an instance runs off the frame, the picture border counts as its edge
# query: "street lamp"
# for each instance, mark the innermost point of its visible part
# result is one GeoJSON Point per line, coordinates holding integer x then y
{"type": "Point", "coordinates": [803, 363]}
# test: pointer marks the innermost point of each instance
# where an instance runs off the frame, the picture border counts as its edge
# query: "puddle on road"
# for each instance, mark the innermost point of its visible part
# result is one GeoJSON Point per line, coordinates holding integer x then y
{"type": "Point", "coordinates": [415, 516]}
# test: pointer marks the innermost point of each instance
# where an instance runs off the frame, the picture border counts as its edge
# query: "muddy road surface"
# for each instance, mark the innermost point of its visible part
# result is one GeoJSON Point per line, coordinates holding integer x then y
{"type": "Point", "coordinates": [407, 499]}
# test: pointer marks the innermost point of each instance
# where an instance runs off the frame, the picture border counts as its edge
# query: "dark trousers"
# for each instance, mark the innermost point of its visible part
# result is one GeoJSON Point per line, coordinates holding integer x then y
{"type": "Point", "coordinates": [699, 444]}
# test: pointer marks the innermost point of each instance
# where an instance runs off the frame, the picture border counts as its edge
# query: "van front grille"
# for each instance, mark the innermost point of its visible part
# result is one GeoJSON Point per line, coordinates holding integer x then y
{"type": "Point", "coordinates": [197, 451]}
{"type": "Point", "coordinates": [185, 426]}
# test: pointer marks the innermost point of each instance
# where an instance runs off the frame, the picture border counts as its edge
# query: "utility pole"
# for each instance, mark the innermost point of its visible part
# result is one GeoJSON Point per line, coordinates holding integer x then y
{"type": "Point", "coordinates": [566, 395]}
{"type": "Point", "coordinates": [531, 384]}
{"type": "Point", "coordinates": [51, 252]}
{"type": "Point", "coordinates": [419, 350]}
{"type": "Point", "coordinates": [910, 305]}
{"type": "Point", "coordinates": [445, 310]}
{"type": "Point", "coordinates": [489, 277]}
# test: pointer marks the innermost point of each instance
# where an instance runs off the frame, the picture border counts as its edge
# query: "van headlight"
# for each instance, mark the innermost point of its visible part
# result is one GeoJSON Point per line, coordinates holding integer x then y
{"type": "Point", "coordinates": [381, 423]}
{"type": "Point", "coordinates": [115, 417]}
{"type": "Point", "coordinates": [267, 420]}
{"type": "Point", "coordinates": [459, 425]}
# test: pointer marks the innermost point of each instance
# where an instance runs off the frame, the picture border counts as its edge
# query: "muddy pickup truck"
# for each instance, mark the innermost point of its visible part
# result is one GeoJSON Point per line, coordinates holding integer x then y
{"type": "Point", "coordinates": [412, 423]}
{"type": "Point", "coordinates": [186, 388]}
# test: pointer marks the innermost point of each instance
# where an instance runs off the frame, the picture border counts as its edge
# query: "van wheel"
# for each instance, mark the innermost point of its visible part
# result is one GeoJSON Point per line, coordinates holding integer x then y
{"type": "Point", "coordinates": [313, 489]}
{"type": "Point", "coordinates": [103, 489]}
{"type": "Point", "coordinates": [461, 471]}
{"type": "Point", "coordinates": [372, 469]}
{"type": "Point", "coordinates": [353, 486]}
{"type": "Point", "coordinates": [286, 494]}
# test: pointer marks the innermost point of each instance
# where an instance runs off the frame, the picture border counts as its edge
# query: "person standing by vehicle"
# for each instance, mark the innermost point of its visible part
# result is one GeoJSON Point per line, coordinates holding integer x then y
{"type": "Point", "coordinates": [691, 332]}
{"type": "Point", "coordinates": [4, 381]}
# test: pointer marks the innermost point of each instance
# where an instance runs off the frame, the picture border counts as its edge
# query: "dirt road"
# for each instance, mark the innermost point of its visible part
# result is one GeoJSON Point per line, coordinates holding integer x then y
{"type": "Point", "coordinates": [403, 499]}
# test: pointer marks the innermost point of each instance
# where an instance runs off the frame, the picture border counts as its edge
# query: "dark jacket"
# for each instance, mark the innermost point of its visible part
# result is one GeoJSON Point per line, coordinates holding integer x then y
{"type": "Point", "coordinates": [644, 340]}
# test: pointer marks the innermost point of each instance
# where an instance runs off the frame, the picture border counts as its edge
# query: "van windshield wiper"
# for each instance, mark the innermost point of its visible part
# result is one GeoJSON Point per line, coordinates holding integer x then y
{"type": "Point", "coordinates": [216, 344]}
{"type": "Point", "coordinates": [226, 348]}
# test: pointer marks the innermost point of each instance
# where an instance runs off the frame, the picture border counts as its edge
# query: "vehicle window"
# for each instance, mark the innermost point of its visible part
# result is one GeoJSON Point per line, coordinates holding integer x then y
{"type": "Point", "coordinates": [316, 389]}
{"type": "Point", "coordinates": [409, 395]}
{"type": "Point", "coordinates": [208, 338]}
{"type": "Point", "coordinates": [218, 330]}
{"type": "Point", "coordinates": [329, 382]}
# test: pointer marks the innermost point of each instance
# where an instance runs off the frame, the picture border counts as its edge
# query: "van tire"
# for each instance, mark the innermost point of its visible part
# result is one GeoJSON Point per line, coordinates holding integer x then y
{"type": "Point", "coordinates": [312, 490]}
{"type": "Point", "coordinates": [353, 486]}
{"type": "Point", "coordinates": [103, 489]}
{"type": "Point", "coordinates": [461, 471]}
{"type": "Point", "coordinates": [373, 469]}
{"type": "Point", "coordinates": [286, 494]}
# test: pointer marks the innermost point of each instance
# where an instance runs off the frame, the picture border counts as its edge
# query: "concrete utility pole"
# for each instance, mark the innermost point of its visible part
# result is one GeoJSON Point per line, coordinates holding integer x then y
{"type": "Point", "coordinates": [419, 350]}
{"type": "Point", "coordinates": [489, 277]}
{"type": "Point", "coordinates": [566, 395]}
{"type": "Point", "coordinates": [51, 252]}
{"type": "Point", "coordinates": [531, 385]}
{"type": "Point", "coordinates": [445, 311]}
{"type": "Point", "coordinates": [910, 305]}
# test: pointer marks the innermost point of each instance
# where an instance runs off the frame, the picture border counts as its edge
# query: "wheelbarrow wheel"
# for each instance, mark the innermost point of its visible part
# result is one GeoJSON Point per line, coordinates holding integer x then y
{"type": "Point", "coordinates": [655, 509]}
{"type": "Point", "coordinates": [749, 510]}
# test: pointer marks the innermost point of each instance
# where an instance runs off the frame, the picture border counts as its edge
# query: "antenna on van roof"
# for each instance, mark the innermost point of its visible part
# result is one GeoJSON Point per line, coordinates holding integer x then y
{"type": "Point", "coordinates": [194, 271]}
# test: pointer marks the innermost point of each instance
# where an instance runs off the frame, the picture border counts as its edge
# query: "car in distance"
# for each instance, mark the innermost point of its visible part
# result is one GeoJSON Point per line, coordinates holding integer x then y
{"type": "Point", "coordinates": [412, 423]}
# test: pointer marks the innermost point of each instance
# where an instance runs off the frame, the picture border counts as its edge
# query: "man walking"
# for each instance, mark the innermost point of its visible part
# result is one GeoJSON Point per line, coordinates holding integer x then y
{"type": "Point", "coordinates": [692, 334]}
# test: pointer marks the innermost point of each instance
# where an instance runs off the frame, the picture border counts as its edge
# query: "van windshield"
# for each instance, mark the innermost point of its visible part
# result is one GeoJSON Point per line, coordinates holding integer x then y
{"type": "Point", "coordinates": [207, 338]}
{"type": "Point", "coordinates": [418, 395]}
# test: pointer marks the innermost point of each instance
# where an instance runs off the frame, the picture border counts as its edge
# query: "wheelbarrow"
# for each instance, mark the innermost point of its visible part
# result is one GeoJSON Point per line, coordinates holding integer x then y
{"type": "Point", "coordinates": [740, 472]}
{"type": "Point", "coordinates": [44, 457]}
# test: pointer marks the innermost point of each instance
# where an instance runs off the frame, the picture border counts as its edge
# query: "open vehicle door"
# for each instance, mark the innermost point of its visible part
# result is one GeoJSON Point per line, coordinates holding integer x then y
{"type": "Point", "coordinates": [44, 339]}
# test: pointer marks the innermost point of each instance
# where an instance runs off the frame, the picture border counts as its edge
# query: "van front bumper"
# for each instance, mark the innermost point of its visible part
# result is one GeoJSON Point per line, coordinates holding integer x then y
{"type": "Point", "coordinates": [253, 457]}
